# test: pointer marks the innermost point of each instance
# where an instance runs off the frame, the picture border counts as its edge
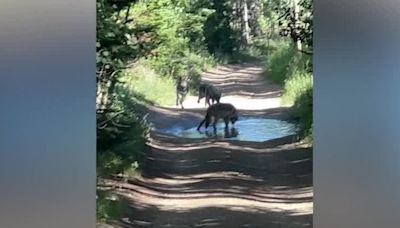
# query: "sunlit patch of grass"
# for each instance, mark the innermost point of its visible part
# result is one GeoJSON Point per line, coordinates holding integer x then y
{"type": "Point", "coordinates": [144, 81]}
{"type": "Point", "coordinates": [296, 85]}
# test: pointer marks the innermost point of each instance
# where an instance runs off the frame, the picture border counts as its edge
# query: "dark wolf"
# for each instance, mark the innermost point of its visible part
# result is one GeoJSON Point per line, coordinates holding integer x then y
{"type": "Point", "coordinates": [210, 93]}
{"type": "Point", "coordinates": [182, 89]}
{"type": "Point", "coordinates": [217, 111]}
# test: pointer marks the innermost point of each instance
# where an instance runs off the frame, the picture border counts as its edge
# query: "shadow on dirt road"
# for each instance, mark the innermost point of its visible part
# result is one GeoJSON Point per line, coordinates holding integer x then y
{"type": "Point", "coordinates": [217, 183]}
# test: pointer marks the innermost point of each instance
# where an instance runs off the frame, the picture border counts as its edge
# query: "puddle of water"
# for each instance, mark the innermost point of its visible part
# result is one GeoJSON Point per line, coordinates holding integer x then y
{"type": "Point", "coordinates": [246, 129]}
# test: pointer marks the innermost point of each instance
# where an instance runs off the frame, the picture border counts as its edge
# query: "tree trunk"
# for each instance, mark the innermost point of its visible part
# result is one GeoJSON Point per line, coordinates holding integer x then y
{"type": "Point", "coordinates": [99, 96]}
{"type": "Point", "coordinates": [296, 17]}
{"type": "Point", "coordinates": [254, 10]}
{"type": "Point", "coordinates": [102, 95]}
{"type": "Point", "coordinates": [246, 31]}
{"type": "Point", "coordinates": [101, 92]}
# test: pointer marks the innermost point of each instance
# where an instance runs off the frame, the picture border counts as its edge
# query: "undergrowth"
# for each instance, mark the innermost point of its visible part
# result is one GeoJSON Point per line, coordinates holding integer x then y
{"type": "Point", "coordinates": [109, 207]}
{"type": "Point", "coordinates": [144, 81]}
{"type": "Point", "coordinates": [120, 148]}
{"type": "Point", "coordinates": [293, 71]}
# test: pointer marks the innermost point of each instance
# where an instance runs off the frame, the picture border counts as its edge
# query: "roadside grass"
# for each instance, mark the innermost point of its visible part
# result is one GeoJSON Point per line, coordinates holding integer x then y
{"type": "Point", "coordinates": [144, 81]}
{"type": "Point", "coordinates": [293, 71]}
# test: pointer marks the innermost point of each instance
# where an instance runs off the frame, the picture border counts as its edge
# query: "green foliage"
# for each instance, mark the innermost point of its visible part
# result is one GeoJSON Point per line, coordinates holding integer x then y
{"type": "Point", "coordinates": [126, 113]}
{"type": "Point", "coordinates": [144, 81]}
{"type": "Point", "coordinates": [269, 19]}
{"type": "Point", "coordinates": [295, 85]}
{"type": "Point", "coordinates": [293, 70]}
{"type": "Point", "coordinates": [113, 47]}
{"type": "Point", "coordinates": [121, 145]}
{"type": "Point", "coordinates": [109, 207]}
{"type": "Point", "coordinates": [284, 61]}
{"type": "Point", "coordinates": [302, 111]}
{"type": "Point", "coordinates": [115, 113]}
{"type": "Point", "coordinates": [306, 27]}
{"type": "Point", "coordinates": [287, 66]}
{"type": "Point", "coordinates": [118, 115]}
{"type": "Point", "coordinates": [300, 28]}
{"type": "Point", "coordinates": [174, 31]}
{"type": "Point", "coordinates": [124, 157]}
{"type": "Point", "coordinates": [221, 38]}
{"type": "Point", "coordinates": [120, 148]}
{"type": "Point", "coordinates": [278, 63]}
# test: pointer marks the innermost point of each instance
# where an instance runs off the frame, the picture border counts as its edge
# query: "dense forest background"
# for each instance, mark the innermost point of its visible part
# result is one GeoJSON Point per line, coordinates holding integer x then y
{"type": "Point", "coordinates": [143, 46]}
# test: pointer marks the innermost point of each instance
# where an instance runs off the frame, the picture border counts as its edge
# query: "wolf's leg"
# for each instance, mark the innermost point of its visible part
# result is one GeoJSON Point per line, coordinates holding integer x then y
{"type": "Point", "coordinates": [205, 120]}
{"type": "Point", "coordinates": [215, 124]}
{"type": "Point", "coordinates": [226, 120]}
{"type": "Point", "coordinates": [201, 123]}
{"type": "Point", "coordinates": [177, 97]}
{"type": "Point", "coordinates": [183, 96]}
{"type": "Point", "coordinates": [208, 98]}
{"type": "Point", "coordinates": [201, 95]}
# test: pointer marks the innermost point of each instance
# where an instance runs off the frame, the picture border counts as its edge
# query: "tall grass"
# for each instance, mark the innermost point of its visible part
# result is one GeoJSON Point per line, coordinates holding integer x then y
{"type": "Point", "coordinates": [297, 84]}
{"type": "Point", "coordinates": [144, 81]}
{"type": "Point", "coordinates": [293, 70]}
{"type": "Point", "coordinates": [160, 89]}
{"type": "Point", "coordinates": [302, 111]}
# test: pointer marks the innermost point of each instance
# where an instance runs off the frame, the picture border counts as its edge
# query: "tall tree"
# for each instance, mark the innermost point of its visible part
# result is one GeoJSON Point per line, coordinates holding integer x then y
{"type": "Point", "coordinates": [246, 28]}
{"type": "Point", "coordinates": [296, 10]}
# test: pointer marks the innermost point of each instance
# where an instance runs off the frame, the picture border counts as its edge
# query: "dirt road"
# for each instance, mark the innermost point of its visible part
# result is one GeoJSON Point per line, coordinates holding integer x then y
{"type": "Point", "coordinates": [217, 183]}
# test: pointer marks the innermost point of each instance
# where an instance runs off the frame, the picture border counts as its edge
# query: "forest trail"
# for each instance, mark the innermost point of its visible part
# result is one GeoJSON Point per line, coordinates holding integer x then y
{"type": "Point", "coordinates": [219, 183]}
{"type": "Point", "coordinates": [241, 85]}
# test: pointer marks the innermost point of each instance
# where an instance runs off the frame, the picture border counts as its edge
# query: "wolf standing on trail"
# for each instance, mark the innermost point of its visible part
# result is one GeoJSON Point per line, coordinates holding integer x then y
{"type": "Point", "coordinates": [182, 89]}
{"type": "Point", "coordinates": [209, 92]}
{"type": "Point", "coordinates": [218, 111]}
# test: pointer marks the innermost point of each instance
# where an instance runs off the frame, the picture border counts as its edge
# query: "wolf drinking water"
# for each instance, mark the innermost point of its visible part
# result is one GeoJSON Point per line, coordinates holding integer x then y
{"type": "Point", "coordinates": [224, 111]}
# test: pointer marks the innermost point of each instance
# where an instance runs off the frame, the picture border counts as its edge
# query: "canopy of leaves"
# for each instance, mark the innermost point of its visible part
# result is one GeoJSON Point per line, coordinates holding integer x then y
{"type": "Point", "coordinates": [297, 28]}
{"type": "Point", "coordinates": [113, 47]}
{"type": "Point", "coordinates": [172, 32]}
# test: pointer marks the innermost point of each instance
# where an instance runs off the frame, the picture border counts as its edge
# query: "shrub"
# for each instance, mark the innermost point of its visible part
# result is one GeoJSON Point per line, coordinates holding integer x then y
{"type": "Point", "coordinates": [302, 110]}
{"type": "Point", "coordinates": [278, 63]}
{"type": "Point", "coordinates": [297, 83]}
{"type": "Point", "coordinates": [108, 207]}
{"type": "Point", "coordinates": [293, 70]}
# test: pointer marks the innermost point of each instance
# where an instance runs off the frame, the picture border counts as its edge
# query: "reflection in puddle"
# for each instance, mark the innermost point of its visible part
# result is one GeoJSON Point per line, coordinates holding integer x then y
{"type": "Point", "coordinates": [246, 129]}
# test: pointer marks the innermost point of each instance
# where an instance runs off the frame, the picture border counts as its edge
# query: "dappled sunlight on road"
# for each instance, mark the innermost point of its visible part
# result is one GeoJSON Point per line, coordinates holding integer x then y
{"type": "Point", "coordinates": [243, 87]}
{"type": "Point", "coordinates": [207, 182]}
{"type": "Point", "coordinates": [236, 196]}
